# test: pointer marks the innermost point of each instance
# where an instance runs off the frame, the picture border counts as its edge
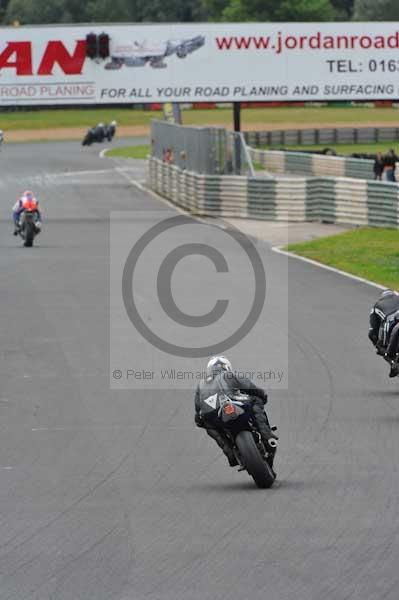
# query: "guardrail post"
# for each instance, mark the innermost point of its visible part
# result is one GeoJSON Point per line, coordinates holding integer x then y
{"type": "Point", "coordinates": [237, 116]}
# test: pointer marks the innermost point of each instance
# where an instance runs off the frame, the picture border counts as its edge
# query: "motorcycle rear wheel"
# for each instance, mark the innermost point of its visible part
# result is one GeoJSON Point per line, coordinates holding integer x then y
{"type": "Point", "coordinates": [252, 460]}
{"type": "Point", "coordinates": [29, 234]}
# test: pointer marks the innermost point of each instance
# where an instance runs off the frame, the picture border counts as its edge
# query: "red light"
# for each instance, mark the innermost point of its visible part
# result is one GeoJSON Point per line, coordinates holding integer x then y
{"type": "Point", "coordinates": [229, 409]}
{"type": "Point", "coordinates": [103, 45]}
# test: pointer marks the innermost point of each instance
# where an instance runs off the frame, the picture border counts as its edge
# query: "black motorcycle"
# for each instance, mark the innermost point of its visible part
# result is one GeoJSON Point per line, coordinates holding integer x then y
{"type": "Point", "coordinates": [92, 136]}
{"type": "Point", "coordinates": [234, 416]}
{"type": "Point", "coordinates": [28, 227]}
{"type": "Point", "coordinates": [99, 134]}
{"type": "Point", "coordinates": [88, 138]}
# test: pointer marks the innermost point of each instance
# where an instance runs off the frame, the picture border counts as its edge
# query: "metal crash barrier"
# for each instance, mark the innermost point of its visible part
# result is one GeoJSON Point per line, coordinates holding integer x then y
{"type": "Point", "coordinates": [331, 200]}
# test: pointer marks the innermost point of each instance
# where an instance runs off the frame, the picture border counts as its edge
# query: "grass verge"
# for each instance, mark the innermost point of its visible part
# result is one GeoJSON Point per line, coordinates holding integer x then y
{"type": "Point", "coordinates": [344, 149]}
{"type": "Point", "coordinates": [366, 252]}
{"type": "Point", "coordinates": [130, 152]}
{"type": "Point", "coordinates": [42, 119]}
{"type": "Point", "coordinates": [284, 117]}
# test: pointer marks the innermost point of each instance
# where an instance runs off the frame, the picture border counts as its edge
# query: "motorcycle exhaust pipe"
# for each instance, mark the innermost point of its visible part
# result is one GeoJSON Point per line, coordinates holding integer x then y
{"type": "Point", "coordinates": [272, 442]}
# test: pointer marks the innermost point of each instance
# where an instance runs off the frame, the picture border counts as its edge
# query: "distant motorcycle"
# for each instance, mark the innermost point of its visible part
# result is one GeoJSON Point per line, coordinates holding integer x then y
{"type": "Point", "coordinates": [233, 415]}
{"type": "Point", "coordinates": [29, 227]}
{"type": "Point", "coordinates": [99, 133]}
{"type": "Point", "coordinates": [88, 138]}
{"type": "Point", "coordinates": [95, 134]}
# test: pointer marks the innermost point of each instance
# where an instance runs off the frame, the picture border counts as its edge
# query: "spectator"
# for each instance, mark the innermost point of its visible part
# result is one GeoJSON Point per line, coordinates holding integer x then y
{"type": "Point", "coordinates": [168, 155]}
{"type": "Point", "coordinates": [389, 166]}
{"type": "Point", "coordinates": [378, 166]}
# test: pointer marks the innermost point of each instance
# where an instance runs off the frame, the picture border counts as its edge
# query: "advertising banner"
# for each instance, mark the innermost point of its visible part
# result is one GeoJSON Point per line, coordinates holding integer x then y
{"type": "Point", "coordinates": [201, 62]}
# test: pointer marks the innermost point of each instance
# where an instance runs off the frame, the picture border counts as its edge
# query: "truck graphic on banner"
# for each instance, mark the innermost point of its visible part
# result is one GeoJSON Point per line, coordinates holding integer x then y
{"type": "Point", "coordinates": [141, 54]}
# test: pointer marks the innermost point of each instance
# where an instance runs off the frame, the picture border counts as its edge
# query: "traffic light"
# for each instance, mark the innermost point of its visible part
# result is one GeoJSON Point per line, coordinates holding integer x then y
{"type": "Point", "coordinates": [97, 46]}
{"type": "Point", "coordinates": [91, 45]}
{"type": "Point", "coordinates": [103, 45]}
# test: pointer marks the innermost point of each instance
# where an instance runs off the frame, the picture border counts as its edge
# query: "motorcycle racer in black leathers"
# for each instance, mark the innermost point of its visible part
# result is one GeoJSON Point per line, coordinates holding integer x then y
{"type": "Point", "coordinates": [221, 378]}
{"type": "Point", "coordinates": [384, 328]}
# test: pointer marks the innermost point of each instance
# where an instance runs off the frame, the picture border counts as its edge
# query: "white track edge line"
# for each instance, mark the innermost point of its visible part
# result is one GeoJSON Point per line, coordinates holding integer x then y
{"type": "Point", "coordinates": [152, 193]}
{"type": "Point", "coordinates": [277, 249]}
{"type": "Point", "coordinates": [77, 173]}
{"type": "Point", "coordinates": [315, 263]}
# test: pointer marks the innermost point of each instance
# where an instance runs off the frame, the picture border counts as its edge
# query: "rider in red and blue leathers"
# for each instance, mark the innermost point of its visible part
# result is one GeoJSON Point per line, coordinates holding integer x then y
{"type": "Point", "coordinates": [26, 202]}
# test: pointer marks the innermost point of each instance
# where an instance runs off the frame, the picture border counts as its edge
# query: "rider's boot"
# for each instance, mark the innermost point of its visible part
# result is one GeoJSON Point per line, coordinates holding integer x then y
{"type": "Point", "coordinates": [230, 457]}
{"type": "Point", "coordinates": [394, 372]}
{"type": "Point", "coordinates": [224, 445]}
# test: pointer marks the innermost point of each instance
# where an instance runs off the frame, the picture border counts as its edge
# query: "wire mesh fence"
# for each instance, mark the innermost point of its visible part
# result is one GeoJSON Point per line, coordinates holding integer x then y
{"type": "Point", "coordinates": [205, 150]}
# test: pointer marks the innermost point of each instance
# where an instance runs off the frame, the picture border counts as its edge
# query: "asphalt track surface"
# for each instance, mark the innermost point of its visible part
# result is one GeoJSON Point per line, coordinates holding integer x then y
{"type": "Point", "coordinates": [109, 495]}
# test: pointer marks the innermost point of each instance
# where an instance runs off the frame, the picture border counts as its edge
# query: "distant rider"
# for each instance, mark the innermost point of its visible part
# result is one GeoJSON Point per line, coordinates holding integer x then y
{"type": "Point", "coordinates": [99, 132]}
{"type": "Point", "coordinates": [221, 378]}
{"type": "Point", "coordinates": [110, 130]}
{"type": "Point", "coordinates": [384, 328]}
{"type": "Point", "coordinates": [26, 202]}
